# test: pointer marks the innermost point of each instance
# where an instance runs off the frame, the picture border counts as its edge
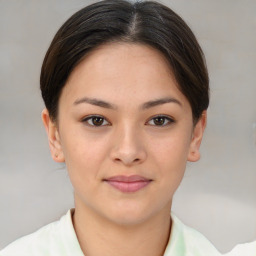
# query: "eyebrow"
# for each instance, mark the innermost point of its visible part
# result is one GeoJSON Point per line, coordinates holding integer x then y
{"type": "Point", "coordinates": [146, 105]}
{"type": "Point", "coordinates": [158, 102]}
{"type": "Point", "coordinates": [95, 102]}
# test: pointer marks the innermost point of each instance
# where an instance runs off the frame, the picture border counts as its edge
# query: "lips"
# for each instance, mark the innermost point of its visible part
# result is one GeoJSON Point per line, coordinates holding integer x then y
{"type": "Point", "coordinates": [128, 184]}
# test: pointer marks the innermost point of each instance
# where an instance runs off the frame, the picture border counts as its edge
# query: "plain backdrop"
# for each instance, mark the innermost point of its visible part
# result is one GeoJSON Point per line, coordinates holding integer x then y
{"type": "Point", "coordinates": [218, 193]}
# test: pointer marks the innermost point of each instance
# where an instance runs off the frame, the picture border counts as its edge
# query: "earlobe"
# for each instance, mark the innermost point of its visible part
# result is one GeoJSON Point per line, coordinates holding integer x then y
{"type": "Point", "coordinates": [53, 137]}
{"type": "Point", "coordinates": [197, 135]}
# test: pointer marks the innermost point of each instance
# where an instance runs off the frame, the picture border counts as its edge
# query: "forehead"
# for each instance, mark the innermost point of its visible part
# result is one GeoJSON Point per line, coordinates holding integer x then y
{"type": "Point", "coordinates": [109, 59]}
{"type": "Point", "coordinates": [123, 70]}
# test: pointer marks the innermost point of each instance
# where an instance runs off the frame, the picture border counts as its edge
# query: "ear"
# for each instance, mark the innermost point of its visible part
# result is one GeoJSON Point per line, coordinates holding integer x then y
{"type": "Point", "coordinates": [53, 137]}
{"type": "Point", "coordinates": [197, 135]}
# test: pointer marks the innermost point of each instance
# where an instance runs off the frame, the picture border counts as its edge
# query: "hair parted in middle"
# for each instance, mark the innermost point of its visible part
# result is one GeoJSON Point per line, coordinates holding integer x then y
{"type": "Point", "coordinates": [142, 22]}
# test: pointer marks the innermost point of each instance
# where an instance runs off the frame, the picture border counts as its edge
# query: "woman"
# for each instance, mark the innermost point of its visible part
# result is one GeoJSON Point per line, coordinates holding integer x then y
{"type": "Point", "coordinates": [125, 87]}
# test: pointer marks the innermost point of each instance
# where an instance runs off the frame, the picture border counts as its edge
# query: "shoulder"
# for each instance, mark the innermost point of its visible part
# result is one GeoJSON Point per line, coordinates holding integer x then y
{"type": "Point", "coordinates": [53, 239]}
{"type": "Point", "coordinates": [247, 249]}
{"type": "Point", "coordinates": [28, 244]}
{"type": "Point", "coordinates": [187, 241]}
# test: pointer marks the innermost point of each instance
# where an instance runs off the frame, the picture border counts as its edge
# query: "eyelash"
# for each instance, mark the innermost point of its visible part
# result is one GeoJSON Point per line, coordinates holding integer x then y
{"type": "Point", "coordinates": [167, 120]}
{"type": "Point", "coordinates": [90, 118]}
{"type": "Point", "coordinates": [104, 122]}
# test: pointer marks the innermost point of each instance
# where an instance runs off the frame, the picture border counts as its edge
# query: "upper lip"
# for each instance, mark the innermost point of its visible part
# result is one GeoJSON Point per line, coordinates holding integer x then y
{"type": "Point", "coordinates": [127, 179]}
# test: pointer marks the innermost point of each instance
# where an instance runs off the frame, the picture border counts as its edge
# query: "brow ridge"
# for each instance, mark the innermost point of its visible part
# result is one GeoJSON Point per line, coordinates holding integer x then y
{"type": "Point", "coordinates": [95, 102]}
{"type": "Point", "coordinates": [146, 105]}
{"type": "Point", "coordinates": [158, 102]}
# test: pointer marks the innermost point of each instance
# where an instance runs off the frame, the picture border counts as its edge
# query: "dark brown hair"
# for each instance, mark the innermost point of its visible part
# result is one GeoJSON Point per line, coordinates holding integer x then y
{"type": "Point", "coordinates": [144, 22]}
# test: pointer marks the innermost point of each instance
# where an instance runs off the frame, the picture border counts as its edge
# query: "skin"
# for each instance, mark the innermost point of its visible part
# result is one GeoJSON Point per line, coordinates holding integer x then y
{"type": "Point", "coordinates": [129, 141]}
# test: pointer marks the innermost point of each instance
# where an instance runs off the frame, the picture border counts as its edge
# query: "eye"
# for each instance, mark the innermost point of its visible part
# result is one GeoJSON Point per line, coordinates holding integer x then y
{"type": "Point", "coordinates": [160, 121]}
{"type": "Point", "coordinates": [95, 121]}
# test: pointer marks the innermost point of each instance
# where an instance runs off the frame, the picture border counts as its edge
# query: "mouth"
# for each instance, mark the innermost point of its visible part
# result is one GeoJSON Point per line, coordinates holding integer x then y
{"type": "Point", "coordinates": [128, 184]}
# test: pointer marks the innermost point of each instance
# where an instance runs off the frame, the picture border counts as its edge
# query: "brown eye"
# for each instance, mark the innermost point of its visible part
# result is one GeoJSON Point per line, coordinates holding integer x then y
{"type": "Point", "coordinates": [96, 121]}
{"type": "Point", "coordinates": [160, 121]}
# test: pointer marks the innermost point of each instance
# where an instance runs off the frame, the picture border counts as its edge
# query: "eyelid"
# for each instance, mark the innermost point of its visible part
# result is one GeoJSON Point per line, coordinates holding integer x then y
{"type": "Point", "coordinates": [89, 117]}
{"type": "Point", "coordinates": [167, 117]}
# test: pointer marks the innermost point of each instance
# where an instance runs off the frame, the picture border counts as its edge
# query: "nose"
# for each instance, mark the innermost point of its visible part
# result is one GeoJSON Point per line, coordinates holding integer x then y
{"type": "Point", "coordinates": [128, 147]}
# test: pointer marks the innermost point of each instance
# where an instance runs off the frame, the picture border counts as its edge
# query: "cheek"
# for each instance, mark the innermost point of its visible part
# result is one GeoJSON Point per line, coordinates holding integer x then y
{"type": "Point", "coordinates": [170, 159]}
{"type": "Point", "coordinates": [84, 154]}
{"type": "Point", "coordinates": [172, 149]}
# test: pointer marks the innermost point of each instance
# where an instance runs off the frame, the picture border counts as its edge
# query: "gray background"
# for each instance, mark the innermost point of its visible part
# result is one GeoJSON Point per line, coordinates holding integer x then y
{"type": "Point", "coordinates": [218, 194]}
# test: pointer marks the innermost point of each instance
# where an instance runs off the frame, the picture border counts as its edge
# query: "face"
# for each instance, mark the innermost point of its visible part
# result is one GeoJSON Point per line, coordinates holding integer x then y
{"type": "Point", "coordinates": [125, 132]}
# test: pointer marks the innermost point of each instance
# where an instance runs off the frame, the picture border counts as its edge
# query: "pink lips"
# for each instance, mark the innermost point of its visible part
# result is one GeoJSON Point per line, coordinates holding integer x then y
{"type": "Point", "coordinates": [128, 184]}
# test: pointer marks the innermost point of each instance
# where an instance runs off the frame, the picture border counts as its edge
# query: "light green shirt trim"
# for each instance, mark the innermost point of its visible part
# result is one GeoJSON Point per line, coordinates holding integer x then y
{"type": "Point", "coordinates": [59, 239]}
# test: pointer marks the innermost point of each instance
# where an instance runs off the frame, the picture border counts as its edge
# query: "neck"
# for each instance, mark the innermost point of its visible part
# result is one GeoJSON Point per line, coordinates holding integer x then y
{"type": "Point", "coordinates": [99, 236]}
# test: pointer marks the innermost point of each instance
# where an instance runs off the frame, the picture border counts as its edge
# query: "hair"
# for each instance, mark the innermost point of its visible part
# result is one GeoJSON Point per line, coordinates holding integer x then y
{"type": "Point", "coordinates": [142, 22]}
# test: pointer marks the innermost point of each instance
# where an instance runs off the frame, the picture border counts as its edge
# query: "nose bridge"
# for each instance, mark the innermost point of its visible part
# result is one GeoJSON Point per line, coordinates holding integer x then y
{"type": "Point", "coordinates": [128, 138]}
{"type": "Point", "coordinates": [129, 146]}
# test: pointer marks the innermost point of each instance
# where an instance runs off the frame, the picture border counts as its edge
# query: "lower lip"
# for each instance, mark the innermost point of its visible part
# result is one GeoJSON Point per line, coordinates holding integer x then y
{"type": "Point", "coordinates": [128, 187]}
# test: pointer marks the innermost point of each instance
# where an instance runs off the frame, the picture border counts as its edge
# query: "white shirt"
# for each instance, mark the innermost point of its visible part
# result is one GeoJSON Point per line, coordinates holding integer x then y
{"type": "Point", "coordinates": [59, 239]}
{"type": "Point", "coordinates": [247, 249]}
